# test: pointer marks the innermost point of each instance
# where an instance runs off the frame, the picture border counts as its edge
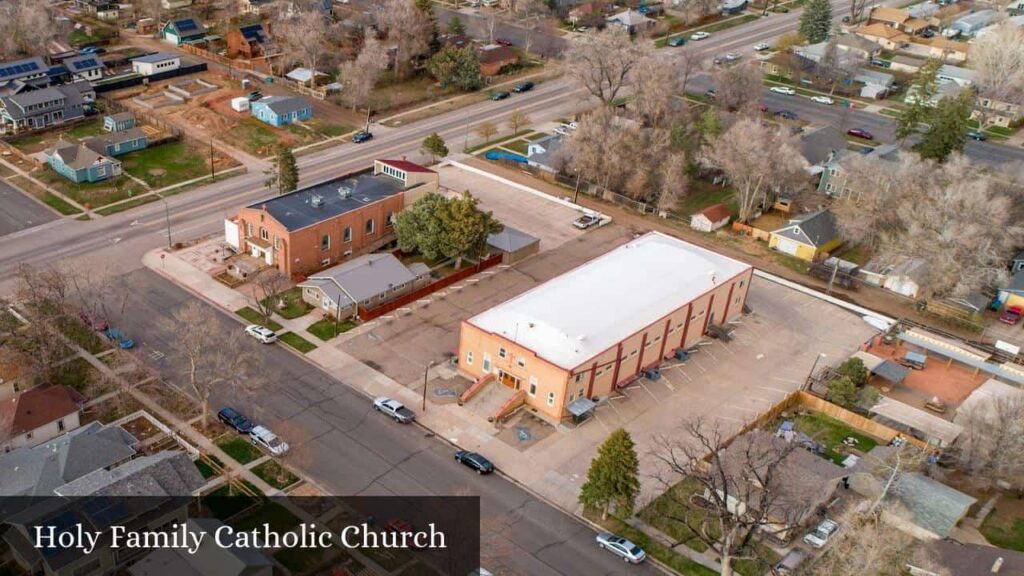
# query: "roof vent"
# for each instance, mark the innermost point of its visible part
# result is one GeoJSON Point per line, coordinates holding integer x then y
{"type": "Point", "coordinates": [317, 200]}
{"type": "Point", "coordinates": [344, 191]}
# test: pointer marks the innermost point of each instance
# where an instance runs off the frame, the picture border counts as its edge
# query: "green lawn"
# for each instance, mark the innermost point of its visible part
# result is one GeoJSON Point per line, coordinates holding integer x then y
{"type": "Point", "coordinates": [238, 448]}
{"type": "Point", "coordinates": [327, 328]}
{"type": "Point", "coordinates": [702, 194]}
{"type": "Point", "coordinates": [831, 432]}
{"type": "Point", "coordinates": [48, 198]}
{"type": "Point", "coordinates": [40, 141]}
{"type": "Point", "coordinates": [277, 516]}
{"type": "Point", "coordinates": [252, 136]}
{"type": "Point", "coordinates": [294, 307]}
{"type": "Point", "coordinates": [655, 549]}
{"type": "Point", "coordinates": [298, 342]}
{"type": "Point", "coordinates": [205, 469]}
{"type": "Point", "coordinates": [274, 474]}
{"type": "Point", "coordinates": [166, 164]}
{"type": "Point", "coordinates": [1004, 528]}
{"type": "Point", "coordinates": [517, 146]}
{"type": "Point", "coordinates": [94, 194]}
{"type": "Point", "coordinates": [251, 315]}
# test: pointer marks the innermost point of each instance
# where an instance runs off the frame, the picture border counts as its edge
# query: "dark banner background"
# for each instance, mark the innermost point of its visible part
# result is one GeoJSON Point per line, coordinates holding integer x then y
{"type": "Point", "coordinates": [458, 518]}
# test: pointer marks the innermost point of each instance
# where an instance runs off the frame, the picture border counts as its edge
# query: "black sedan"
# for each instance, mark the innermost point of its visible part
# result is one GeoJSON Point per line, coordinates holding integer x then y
{"type": "Point", "coordinates": [234, 420]}
{"type": "Point", "coordinates": [500, 95]}
{"type": "Point", "coordinates": [786, 114]}
{"type": "Point", "coordinates": [523, 87]}
{"type": "Point", "coordinates": [362, 136]}
{"type": "Point", "coordinates": [475, 461]}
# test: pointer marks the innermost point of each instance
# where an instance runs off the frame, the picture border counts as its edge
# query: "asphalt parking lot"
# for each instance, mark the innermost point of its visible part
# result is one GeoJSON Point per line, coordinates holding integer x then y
{"type": "Point", "coordinates": [535, 214]}
{"type": "Point", "coordinates": [20, 211]}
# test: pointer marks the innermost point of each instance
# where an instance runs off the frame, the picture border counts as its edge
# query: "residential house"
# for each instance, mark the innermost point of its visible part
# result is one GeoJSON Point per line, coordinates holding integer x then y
{"type": "Point", "coordinates": [514, 245]}
{"type": "Point", "coordinates": [1017, 21]}
{"type": "Point", "coordinates": [156, 63]}
{"type": "Point", "coordinates": [997, 112]}
{"type": "Point", "coordinates": [329, 222]}
{"type": "Point", "coordinates": [186, 30]}
{"type": "Point", "coordinates": [41, 108]}
{"type": "Point", "coordinates": [631, 21]}
{"type": "Point", "coordinates": [255, 6]}
{"type": "Point", "coordinates": [803, 484]}
{"type": "Point", "coordinates": [1017, 264]}
{"type": "Point", "coordinates": [118, 143]}
{"type": "Point", "coordinates": [949, 557]}
{"type": "Point", "coordinates": [304, 76]}
{"type": "Point", "coordinates": [979, 403]}
{"type": "Point", "coordinates": [857, 45]}
{"type": "Point", "coordinates": [118, 122]}
{"type": "Point", "coordinates": [906, 64]}
{"type": "Point", "coordinates": [43, 469]}
{"type": "Point", "coordinates": [166, 473]}
{"type": "Point", "coordinates": [906, 277]}
{"type": "Point", "coordinates": [88, 68]}
{"type": "Point", "coordinates": [494, 57]}
{"type": "Point", "coordinates": [545, 153]}
{"type": "Point", "coordinates": [248, 42]}
{"type": "Point", "coordinates": [897, 19]}
{"type": "Point", "coordinates": [711, 218]}
{"type": "Point", "coordinates": [820, 52]}
{"type": "Point", "coordinates": [16, 75]}
{"type": "Point", "coordinates": [885, 36]}
{"type": "Point", "coordinates": [102, 9]}
{"type": "Point", "coordinates": [942, 48]}
{"type": "Point", "coordinates": [944, 89]}
{"type": "Point", "coordinates": [79, 163]}
{"type": "Point", "coordinates": [821, 146]}
{"type": "Point", "coordinates": [1012, 293]}
{"type": "Point", "coordinates": [587, 14]}
{"type": "Point", "coordinates": [965, 77]}
{"type": "Point", "coordinates": [834, 179]}
{"type": "Point", "coordinates": [876, 84]}
{"type": "Point", "coordinates": [209, 558]}
{"type": "Point", "coordinates": [807, 236]}
{"type": "Point", "coordinates": [973, 22]}
{"type": "Point", "coordinates": [364, 282]}
{"type": "Point", "coordinates": [557, 348]}
{"type": "Point", "coordinates": [38, 415]}
{"type": "Point", "coordinates": [175, 4]}
{"type": "Point", "coordinates": [281, 110]}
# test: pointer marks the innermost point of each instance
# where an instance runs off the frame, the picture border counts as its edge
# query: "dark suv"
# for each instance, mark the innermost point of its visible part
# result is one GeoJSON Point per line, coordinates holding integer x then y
{"type": "Point", "coordinates": [232, 419]}
{"type": "Point", "coordinates": [523, 87]}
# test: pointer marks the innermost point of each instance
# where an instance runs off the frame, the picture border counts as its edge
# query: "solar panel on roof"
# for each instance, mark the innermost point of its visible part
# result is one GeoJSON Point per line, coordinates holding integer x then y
{"type": "Point", "coordinates": [89, 63]}
{"type": "Point", "coordinates": [186, 25]}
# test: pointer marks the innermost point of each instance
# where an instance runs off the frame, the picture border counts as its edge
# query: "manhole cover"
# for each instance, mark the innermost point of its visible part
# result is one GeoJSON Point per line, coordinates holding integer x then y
{"type": "Point", "coordinates": [444, 392]}
{"type": "Point", "coordinates": [523, 433]}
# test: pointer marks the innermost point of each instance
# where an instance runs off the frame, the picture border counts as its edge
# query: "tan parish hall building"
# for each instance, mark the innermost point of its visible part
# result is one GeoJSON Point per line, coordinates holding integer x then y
{"type": "Point", "coordinates": [597, 327]}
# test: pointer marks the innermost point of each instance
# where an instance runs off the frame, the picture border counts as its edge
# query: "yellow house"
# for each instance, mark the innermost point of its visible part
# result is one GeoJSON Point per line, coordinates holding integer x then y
{"type": "Point", "coordinates": [808, 236]}
{"type": "Point", "coordinates": [1013, 293]}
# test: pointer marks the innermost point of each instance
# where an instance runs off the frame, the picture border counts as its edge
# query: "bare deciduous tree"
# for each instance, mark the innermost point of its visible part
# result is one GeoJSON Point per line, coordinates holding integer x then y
{"type": "Point", "coordinates": [359, 76]}
{"type": "Point", "coordinates": [486, 130]}
{"type": "Point", "coordinates": [655, 86]}
{"type": "Point", "coordinates": [212, 360]}
{"type": "Point", "coordinates": [268, 283]}
{"type": "Point", "coordinates": [737, 87]}
{"type": "Point", "coordinates": [998, 58]}
{"type": "Point", "coordinates": [758, 160]}
{"type": "Point", "coordinates": [42, 294]}
{"type": "Point", "coordinates": [409, 31]}
{"type": "Point", "coordinates": [518, 119]}
{"type": "Point", "coordinates": [991, 447]}
{"type": "Point", "coordinates": [601, 63]}
{"type": "Point", "coordinates": [857, 10]}
{"type": "Point", "coordinates": [674, 181]}
{"type": "Point", "coordinates": [866, 545]}
{"type": "Point", "coordinates": [305, 37]}
{"type": "Point", "coordinates": [25, 28]}
{"type": "Point", "coordinates": [746, 487]}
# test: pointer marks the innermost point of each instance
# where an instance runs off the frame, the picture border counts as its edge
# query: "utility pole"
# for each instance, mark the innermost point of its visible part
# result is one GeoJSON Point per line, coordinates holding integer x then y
{"type": "Point", "coordinates": [576, 193]}
{"type": "Point", "coordinates": [213, 173]}
{"type": "Point", "coordinates": [367, 129]}
{"type": "Point", "coordinates": [167, 220]}
{"type": "Point", "coordinates": [425, 370]}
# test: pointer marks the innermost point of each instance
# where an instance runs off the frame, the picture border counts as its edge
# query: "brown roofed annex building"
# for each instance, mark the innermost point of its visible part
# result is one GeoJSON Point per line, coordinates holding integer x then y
{"type": "Point", "coordinates": [330, 222]}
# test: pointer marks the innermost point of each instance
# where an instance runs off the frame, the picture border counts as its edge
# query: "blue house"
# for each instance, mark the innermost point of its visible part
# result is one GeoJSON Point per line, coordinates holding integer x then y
{"type": "Point", "coordinates": [187, 30]}
{"type": "Point", "coordinates": [81, 164]}
{"type": "Point", "coordinates": [118, 122]}
{"type": "Point", "coordinates": [282, 110]}
{"type": "Point", "coordinates": [118, 143]}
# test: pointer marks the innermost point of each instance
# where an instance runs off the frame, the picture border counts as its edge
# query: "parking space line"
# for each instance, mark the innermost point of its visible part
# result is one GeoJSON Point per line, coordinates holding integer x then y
{"type": "Point", "coordinates": [648, 391]}
{"type": "Point", "coordinates": [668, 383]}
{"type": "Point", "coordinates": [699, 365]}
{"type": "Point", "coordinates": [710, 353]}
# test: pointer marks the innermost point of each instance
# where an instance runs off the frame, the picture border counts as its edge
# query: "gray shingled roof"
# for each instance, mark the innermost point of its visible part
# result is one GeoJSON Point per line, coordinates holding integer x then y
{"type": "Point", "coordinates": [932, 505]}
{"type": "Point", "coordinates": [209, 559]}
{"type": "Point", "coordinates": [76, 156]}
{"type": "Point", "coordinates": [163, 474]}
{"type": "Point", "coordinates": [285, 104]}
{"type": "Point", "coordinates": [154, 58]}
{"type": "Point", "coordinates": [362, 278]}
{"type": "Point", "coordinates": [821, 144]}
{"type": "Point", "coordinates": [510, 240]}
{"type": "Point", "coordinates": [99, 143]}
{"type": "Point", "coordinates": [815, 229]}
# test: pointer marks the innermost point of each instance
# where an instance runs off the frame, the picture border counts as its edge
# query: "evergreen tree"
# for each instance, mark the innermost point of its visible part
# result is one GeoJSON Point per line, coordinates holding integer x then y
{"type": "Point", "coordinates": [855, 370]}
{"type": "Point", "coordinates": [437, 227]}
{"type": "Point", "coordinates": [816, 21]}
{"type": "Point", "coordinates": [283, 173]}
{"type": "Point", "coordinates": [924, 88]}
{"type": "Point", "coordinates": [435, 146]}
{"type": "Point", "coordinates": [456, 27]}
{"type": "Point", "coordinates": [947, 128]}
{"type": "Point", "coordinates": [459, 67]}
{"type": "Point", "coordinates": [427, 8]}
{"type": "Point", "coordinates": [613, 477]}
{"type": "Point", "coordinates": [842, 391]}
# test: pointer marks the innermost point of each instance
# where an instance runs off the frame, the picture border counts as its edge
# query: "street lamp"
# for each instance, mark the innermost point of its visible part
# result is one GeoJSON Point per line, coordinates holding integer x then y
{"type": "Point", "coordinates": [167, 219]}
{"type": "Point", "coordinates": [425, 370]}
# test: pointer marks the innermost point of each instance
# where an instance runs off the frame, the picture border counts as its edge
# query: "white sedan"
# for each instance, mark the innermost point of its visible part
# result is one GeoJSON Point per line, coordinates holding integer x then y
{"type": "Point", "coordinates": [823, 100]}
{"type": "Point", "coordinates": [761, 46]}
{"type": "Point", "coordinates": [699, 36]}
{"type": "Point", "coordinates": [262, 436]}
{"type": "Point", "coordinates": [261, 333]}
{"type": "Point", "coordinates": [783, 90]}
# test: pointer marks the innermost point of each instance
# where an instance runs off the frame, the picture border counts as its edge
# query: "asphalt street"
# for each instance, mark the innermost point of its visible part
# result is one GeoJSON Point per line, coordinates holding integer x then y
{"type": "Point", "coordinates": [347, 448]}
{"type": "Point", "coordinates": [21, 211]}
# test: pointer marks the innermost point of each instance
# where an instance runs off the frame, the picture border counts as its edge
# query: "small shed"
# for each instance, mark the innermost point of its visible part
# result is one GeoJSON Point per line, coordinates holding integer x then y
{"type": "Point", "coordinates": [711, 218]}
{"type": "Point", "coordinates": [240, 104]}
{"type": "Point", "coordinates": [118, 122]}
{"type": "Point", "coordinates": [513, 245]}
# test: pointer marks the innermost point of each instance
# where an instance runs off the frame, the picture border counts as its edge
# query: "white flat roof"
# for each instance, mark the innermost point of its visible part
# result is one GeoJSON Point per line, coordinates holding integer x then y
{"type": "Point", "coordinates": [573, 317]}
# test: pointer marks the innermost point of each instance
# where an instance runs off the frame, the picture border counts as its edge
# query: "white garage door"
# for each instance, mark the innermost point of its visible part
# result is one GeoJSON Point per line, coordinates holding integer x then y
{"type": "Point", "coordinates": [786, 245]}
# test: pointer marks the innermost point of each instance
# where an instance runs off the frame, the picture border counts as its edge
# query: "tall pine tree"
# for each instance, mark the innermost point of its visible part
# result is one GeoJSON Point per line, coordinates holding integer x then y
{"type": "Point", "coordinates": [947, 129]}
{"type": "Point", "coordinates": [816, 21]}
{"type": "Point", "coordinates": [283, 173]}
{"type": "Point", "coordinates": [924, 89]}
{"type": "Point", "coordinates": [614, 476]}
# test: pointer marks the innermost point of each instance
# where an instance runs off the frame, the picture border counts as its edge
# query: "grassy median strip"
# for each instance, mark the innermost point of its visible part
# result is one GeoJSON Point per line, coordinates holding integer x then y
{"type": "Point", "coordinates": [238, 448]}
{"type": "Point", "coordinates": [298, 342]}
{"type": "Point", "coordinates": [255, 317]}
{"type": "Point", "coordinates": [327, 328]}
{"type": "Point", "coordinates": [274, 474]}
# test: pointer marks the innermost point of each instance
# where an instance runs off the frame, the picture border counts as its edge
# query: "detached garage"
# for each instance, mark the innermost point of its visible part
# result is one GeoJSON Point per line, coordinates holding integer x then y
{"type": "Point", "coordinates": [808, 236]}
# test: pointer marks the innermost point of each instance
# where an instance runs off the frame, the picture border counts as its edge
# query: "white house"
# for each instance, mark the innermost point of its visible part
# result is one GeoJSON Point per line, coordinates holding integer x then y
{"type": "Point", "coordinates": [711, 218]}
{"type": "Point", "coordinates": [38, 415]}
{"type": "Point", "coordinates": [155, 63]}
{"type": "Point", "coordinates": [88, 67]}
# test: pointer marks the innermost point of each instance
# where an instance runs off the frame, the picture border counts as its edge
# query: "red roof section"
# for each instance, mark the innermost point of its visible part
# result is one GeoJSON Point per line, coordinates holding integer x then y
{"type": "Point", "coordinates": [38, 407]}
{"type": "Point", "coordinates": [406, 166]}
{"type": "Point", "coordinates": [716, 212]}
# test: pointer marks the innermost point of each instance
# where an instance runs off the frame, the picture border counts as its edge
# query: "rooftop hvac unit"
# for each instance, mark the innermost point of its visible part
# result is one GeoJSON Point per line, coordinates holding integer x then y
{"type": "Point", "coordinates": [317, 201]}
{"type": "Point", "coordinates": [344, 192]}
{"type": "Point", "coordinates": [652, 374]}
{"type": "Point", "coordinates": [682, 355]}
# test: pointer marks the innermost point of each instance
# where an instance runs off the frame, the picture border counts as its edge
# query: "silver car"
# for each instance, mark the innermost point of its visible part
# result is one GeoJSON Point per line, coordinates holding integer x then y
{"type": "Point", "coordinates": [621, 547]}
{"type": "Point", "coordinates": [820, 535]}
{"type": "Point", "coordinates": [262, 436]}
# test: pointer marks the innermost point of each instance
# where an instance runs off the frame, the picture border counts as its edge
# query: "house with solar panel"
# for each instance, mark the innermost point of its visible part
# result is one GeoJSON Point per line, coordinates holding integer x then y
{"type": "Point", "coordinates": [282, 110]}
{"type": "Point", "coordinates": [248, 42]}
{"type": "Point", "coordinates": [42, 108]}
{"type": "Point", "coordinates": [17, 75]}
{"type": "Point", "coordinates": [80, 163]}
{"type": "Point", "coordinates": [101, 9]}
{"type": "Point", "coordinates": [185, 30]}
{"type": "Point", "coordinates": [88, 67]}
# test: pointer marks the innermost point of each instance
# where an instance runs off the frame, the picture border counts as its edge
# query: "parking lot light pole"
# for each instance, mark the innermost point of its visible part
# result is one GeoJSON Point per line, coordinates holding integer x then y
{"type": "Point", "coordinates": [425, 370]}
{"type": "Point", "coordinates": [167, 220]}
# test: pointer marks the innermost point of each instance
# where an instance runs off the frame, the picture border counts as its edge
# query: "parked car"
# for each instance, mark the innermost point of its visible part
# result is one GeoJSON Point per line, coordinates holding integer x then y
{"type": "Point", "coordinates": [234, 420]}
{"type": "Point", "coordinates": [116, 336]}
{"type": "Point", "coordinates": [976, 135]}
{"type": "Point", "coordinates": [261, 333]}
{"type": "Point", "coordinates": [621, 547]}
{"type": "Point", "coordinates": [393, 408]}
{"type": "Point", "coordinates": [586, 221]}
{"type": "Point", "coordinates": [699, 36]}
{"type": "Point", "coordinates": [255, 95]}
{"type": "Point", "coordinates": [503, 41]}
{"type": "Point", "coordinates": [710, 93]}
{"type": "Point", "coordinates": [823, 100]}
{"type": "Point", "coordinates": [928, 33]}
{"type": "Point", "coordinates": [262, 436]}
{"type": "Point", "coordinates": [1011, 315]}
{"type": "Point", "coordinates": [786, 114]}
{"type": "Point", "coordinates": [782, 10]}
{"type": "Point", "coordinates": [676, 41]}
{"type": "Point", "coordinates": [583, 29]}
{"type": "Point", "coordinates": [861, 133]}
{"type": "Point", "coordinates": [761, 46]}
{"type": "Point", "coordinates": [92, 51]}
{"type": "Point", "coordinates": [846, 19]}
{"type": "Point", "coordinates": [362, 136]}
{"type": "Point", "coordinates": [782, 90]}
{"type": "Point", "coordinates": [98, 323]}
{"type": "Point", "coordinates": [500, 95]}
{"type": "Point", "coordinates": [818, 537]}
{"type": "Point", "coordinates": [726, 58]}
{"type": "Point", "coordinates": [522, 87]}
{"type": "Point", "coordinates": [475, 461]}
{"type": "Point", "coordinates": [880, 63]}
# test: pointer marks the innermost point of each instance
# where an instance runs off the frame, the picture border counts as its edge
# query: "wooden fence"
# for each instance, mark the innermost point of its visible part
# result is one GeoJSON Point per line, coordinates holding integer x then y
{"type": "Point", "coordinates": [854, 420]}
{"type": "Point", "coordinates": [755, 233]}
{"type": "Point", "coordinates": [255, 65]}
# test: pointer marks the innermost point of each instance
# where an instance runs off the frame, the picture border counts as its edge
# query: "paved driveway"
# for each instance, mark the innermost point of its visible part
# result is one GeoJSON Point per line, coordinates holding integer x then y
{"type": "Point", "coordinates": [21, 211]}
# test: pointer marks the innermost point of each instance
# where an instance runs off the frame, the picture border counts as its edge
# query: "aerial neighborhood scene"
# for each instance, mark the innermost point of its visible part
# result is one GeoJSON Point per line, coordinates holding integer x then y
{"type": "Point", "coordinates": [684, 287]}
